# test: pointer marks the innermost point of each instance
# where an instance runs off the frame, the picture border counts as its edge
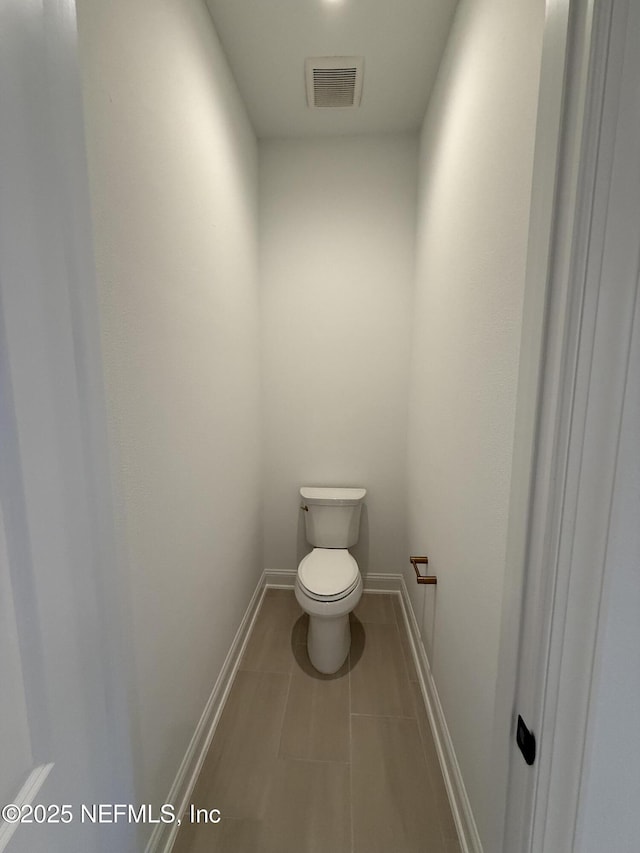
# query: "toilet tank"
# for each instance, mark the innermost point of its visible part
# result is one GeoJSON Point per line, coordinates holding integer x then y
{"type": "Point", "coordinates": [332, 517]}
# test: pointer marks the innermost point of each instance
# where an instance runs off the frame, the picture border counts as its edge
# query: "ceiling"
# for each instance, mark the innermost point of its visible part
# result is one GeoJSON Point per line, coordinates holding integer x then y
{"type": "Point", "coordinates": [267, 41]}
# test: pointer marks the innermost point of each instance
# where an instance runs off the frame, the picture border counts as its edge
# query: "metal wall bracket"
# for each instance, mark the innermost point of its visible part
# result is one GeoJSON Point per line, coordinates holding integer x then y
{"type": "Point", "coordinates": [422, 561]}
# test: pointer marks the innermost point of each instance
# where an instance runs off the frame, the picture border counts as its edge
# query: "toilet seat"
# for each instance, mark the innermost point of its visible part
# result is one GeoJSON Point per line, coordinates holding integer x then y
{"type": "Point", "coordinates": [328, 574]}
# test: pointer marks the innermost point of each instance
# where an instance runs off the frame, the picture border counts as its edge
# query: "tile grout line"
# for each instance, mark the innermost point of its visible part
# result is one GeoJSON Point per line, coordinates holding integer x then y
{"type": "Point", "coordinates": [284, 714]}
{"type": "Point", "coordinates": [386, 716]}
{"type": "Point", "coordinates": [313, 760]}
{"type": "Point", "coordinates": [400, 629]}
{"type": "Point", "coordinates": [430, 773]}
{"type": "Point", "coordinates": [286, 699]}
{"type": "Point", "coordinates": [394, 703]}
{"type": "Point", "coordinates": [265, 671]}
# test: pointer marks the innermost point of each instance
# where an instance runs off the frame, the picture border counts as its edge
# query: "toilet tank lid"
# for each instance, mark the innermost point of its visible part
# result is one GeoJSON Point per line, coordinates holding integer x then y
{"type": "Point", "coordinates": [329, 496]}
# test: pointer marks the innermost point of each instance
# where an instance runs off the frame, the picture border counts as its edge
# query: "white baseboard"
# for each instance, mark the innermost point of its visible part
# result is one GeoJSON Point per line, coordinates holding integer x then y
{"type": "Point", "coordinates": [164, 835]}
{"type": "Point", "coordinates": [380, 582]}
{"type": "Point", "coordinates": [281, 579]}
{"type": "Point", "coordinates": [460, 805]}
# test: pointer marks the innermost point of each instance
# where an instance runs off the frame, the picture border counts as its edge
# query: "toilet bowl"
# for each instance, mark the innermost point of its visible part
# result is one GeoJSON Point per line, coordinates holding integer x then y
{"type": "Point", "coordinates": [328, 583]}
{"type": "Point", "coordinates": [328, 586]}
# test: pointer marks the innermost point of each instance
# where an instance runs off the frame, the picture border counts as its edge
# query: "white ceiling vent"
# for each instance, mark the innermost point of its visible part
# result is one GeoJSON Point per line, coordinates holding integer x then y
{"type": "Point", "coordinates": [334, 81]}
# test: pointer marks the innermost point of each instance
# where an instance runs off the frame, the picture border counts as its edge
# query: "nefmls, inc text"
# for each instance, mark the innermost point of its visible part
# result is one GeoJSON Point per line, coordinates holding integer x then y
{"type": "Point", "coordinates": [127, 813]}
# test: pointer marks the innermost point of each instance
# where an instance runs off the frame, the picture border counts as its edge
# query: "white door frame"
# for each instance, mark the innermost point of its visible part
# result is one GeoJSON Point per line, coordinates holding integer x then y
{"type": "Point", "coordinates": [570, 400]}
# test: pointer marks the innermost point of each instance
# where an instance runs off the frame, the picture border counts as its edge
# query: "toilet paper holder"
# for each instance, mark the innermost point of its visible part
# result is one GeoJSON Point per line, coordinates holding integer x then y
{"type": "Point", "coordinates": [420, 577]}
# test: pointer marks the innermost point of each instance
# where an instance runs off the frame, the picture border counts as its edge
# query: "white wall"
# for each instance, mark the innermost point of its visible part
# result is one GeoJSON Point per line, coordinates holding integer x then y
{"type": "Point", "coordinates": [337, 226]}
{"type": "Point", "coordinates": [173, 173]}
{"type": "Point", "coordinates": [476, 165]}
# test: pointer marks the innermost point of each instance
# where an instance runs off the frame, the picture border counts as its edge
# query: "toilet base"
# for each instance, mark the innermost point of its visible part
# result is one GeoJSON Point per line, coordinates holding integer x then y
{"type": "Point", "coordinates": [328, 643]}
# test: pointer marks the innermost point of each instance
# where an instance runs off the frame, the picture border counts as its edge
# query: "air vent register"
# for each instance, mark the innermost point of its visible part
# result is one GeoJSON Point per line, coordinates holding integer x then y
{"type": "Point", "coordinates": [334, 81]}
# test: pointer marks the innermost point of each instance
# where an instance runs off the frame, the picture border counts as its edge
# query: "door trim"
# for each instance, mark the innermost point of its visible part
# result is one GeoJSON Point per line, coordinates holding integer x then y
{"type": "Point", "coordinates": [558, 528]}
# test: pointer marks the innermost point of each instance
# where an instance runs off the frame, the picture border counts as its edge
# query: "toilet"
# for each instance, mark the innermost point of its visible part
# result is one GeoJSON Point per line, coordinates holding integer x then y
{"type": "Point", "coordinates": [328, 583]}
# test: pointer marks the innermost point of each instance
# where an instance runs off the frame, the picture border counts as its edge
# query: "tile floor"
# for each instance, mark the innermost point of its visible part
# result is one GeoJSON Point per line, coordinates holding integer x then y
{"type": "Point", "coordinates": [306, 763]}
